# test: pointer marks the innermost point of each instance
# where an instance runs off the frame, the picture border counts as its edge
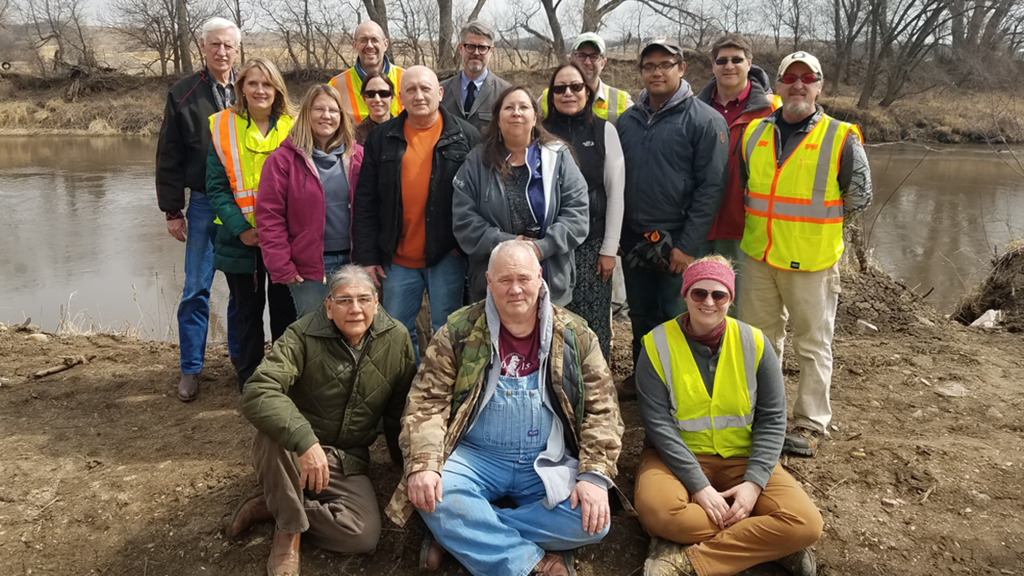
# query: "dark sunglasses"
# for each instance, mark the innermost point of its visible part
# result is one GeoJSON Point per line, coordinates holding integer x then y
{"type": "Point", "coordinates": [575, 87]}
{"type": "Point", "coordinates": [809, 78]}
{"type": "Point", "coordinates": [735, 60]}
{"type": "Point", "coordinates": [370, 94]}
{"type": "Point", "coordinates": [699, 295]}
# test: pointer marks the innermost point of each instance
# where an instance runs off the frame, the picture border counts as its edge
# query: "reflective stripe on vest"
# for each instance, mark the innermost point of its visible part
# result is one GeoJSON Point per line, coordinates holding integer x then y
{"type": "Point", "coordinates": [794, 212]}
{"type": "Point", "coordinates": [600, 107]}
{"type": "Point", "coordinates": [721, 423]}
{"type": "Point", "coordinates": [225, 142]}
{"type": "Point", "coordinates": [350, 85]}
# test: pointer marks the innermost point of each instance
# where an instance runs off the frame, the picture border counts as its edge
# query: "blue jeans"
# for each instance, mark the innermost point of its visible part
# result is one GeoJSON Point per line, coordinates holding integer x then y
{"type": "Point", "coordinates": [403, 293]}
{"type": "Point", "coordinates": [495, 460]}
{"type": "Point", "coordinates": [194, 308]}
{"type": "Point", "coordinates": [309, 295]}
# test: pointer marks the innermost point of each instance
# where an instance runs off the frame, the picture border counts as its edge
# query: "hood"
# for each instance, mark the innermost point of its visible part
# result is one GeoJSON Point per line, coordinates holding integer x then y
{"type": "Point", "coordinates": [684, 92]}
{"type": "Point", "coordinates": [760, 89]}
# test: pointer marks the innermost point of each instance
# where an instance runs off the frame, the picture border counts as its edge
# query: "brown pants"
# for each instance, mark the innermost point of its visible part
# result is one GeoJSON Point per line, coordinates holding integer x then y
{"type": "Point", "coordinates": [783, 520]}
{"type": "Point", "coordinates": [343, 517]}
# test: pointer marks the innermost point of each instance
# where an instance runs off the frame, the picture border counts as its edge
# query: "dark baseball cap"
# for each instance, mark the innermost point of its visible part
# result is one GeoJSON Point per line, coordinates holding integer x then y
{"type": "Point", "coordinates": [662, 43]}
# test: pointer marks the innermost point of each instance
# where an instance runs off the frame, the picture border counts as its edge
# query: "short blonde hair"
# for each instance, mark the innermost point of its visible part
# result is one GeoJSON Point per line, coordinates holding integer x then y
{"type": "Point", "coordinates": [282, 104]}
{"type": "Point", "coordinates": [716, 258]}
{"type": "Point", "coordinates": [302, 132]}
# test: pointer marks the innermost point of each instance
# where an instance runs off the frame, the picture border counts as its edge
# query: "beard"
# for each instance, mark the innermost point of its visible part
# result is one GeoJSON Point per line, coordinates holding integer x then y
{"type": "Point", "coordinates": [798, 108]}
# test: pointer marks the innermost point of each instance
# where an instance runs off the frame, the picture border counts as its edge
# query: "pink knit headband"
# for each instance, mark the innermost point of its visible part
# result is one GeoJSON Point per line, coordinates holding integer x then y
{"type": "Point", "coordinates": [709, 270]}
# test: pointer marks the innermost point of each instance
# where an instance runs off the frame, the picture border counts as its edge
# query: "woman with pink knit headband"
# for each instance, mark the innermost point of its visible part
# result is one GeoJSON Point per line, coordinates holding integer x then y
{"type": "Point", "coordinates": [709, 489]}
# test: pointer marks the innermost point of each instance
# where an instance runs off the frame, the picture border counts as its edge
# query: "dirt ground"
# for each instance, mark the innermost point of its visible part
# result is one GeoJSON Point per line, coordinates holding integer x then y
{"type": "Point", "coordinates": [104, 471]}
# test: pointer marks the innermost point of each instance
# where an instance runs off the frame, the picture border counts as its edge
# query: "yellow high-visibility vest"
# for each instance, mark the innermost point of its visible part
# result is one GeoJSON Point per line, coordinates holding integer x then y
{"type": "Point", "coordinates": [600, 107]}
{"type": "Point", "coordinates": [350, 85]}
{"type": "Point", "coordinates": [794, 213]}
{"type": "Point", "coordinates": [242, 149]}
{"type": "Point", "coordinates": [719, 423]}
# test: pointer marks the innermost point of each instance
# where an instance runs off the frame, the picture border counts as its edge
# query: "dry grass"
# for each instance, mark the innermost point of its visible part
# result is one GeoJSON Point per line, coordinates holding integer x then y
{"type": "Point", "coordinates": [1003, 289]}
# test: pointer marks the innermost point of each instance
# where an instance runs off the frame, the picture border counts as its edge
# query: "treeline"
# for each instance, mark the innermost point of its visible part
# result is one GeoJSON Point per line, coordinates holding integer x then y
{"type": "Point", "coordinates": [881, 50]}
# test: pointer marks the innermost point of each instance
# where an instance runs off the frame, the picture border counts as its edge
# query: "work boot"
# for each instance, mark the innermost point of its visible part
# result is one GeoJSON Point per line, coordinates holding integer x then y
{"type": "Point", "coordinates": [667, 558]}
{"type": "Point", "coordinates": [800, 563]}
{"type": "Point", "coordinates": [188, 387]}
{"type": "Point", "coordinates": [249, 512]}
{"type": "Point", "coordinates": [430, 554]}
{"type": "Point", "coordinates": [626, 389]}
{"type": "Point", "coordinates": [284, 555]}
{"type": "Point", "coordinates": [802, 441]}
{"type": "Point", "coordinates": [555, 564]}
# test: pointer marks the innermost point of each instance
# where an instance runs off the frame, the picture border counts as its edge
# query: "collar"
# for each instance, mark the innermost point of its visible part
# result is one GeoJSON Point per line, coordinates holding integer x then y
{"type": "Point", "coordinates": [479, 81]}
{"type": "Point", "coordinates": [232, 76]}
{"type": "Point", "coordinates": [743, 95]}
{"type": "Point", "coordinates": [385, 69]}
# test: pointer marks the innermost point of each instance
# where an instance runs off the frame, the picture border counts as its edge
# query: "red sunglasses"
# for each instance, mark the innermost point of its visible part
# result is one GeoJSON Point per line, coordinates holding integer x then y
{"type": "Point", "coordinates": [699, 295]}
{"type": "Point", "coordinates": [809, 78]}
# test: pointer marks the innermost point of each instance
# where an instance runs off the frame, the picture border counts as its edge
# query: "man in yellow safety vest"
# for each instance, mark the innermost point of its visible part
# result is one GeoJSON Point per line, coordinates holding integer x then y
{"type": "Point", "coordinates": [370, 46]}
{"type": "Point", "coordinates": [588, 52]}
{"type": "Point", "coordinates": [804, 173]}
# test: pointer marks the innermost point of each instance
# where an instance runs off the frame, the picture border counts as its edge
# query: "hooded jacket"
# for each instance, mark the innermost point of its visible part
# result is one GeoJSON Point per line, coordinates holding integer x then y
{"type": "Point", "coordinates": [728, 224]}
{"type": "Point", "coordinates": [676, 161]}
{"type": "Point", "coordinates": [291, 211]}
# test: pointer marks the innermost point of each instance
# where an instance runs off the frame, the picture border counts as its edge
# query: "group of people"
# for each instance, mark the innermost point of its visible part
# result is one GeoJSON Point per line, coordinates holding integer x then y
{"type": "Point", "coordinates": [509, 210]}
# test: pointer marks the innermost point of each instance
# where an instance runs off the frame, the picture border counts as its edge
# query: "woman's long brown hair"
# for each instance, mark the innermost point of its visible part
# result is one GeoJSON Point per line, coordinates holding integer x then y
{"type": "Point", "coordinates": [495, 153]}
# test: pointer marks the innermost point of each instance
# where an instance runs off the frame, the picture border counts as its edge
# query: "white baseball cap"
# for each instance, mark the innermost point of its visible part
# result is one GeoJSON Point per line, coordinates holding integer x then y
{"type": "Point", "coordinates": [804, 57]}
{"type": "Point", "coordinates": [594, 39]}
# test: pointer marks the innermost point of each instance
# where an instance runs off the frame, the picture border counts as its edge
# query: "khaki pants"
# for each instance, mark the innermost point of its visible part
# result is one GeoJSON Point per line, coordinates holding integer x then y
{"type": "Point", "coordinates": [783, 521]}
{"type": "Point", "coordinates": [343, 517]}
{"type": "Point", "coordinates": [771, 296]}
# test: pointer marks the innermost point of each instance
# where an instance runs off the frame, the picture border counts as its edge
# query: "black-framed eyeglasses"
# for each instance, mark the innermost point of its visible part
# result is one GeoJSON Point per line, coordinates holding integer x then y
{"type": "Point", "coordinates": [382, 94]}
{"type": "Point", "coordinates": [699, 295]}
{"type": "Point", "coordinates": [574, 86]}
{"type": "Point", "coordinates": [650, 67]}
{"type": "Point", "coordinates": [809, 78]}
{"type": "Point", "coordinates": [583, 57]}
{"type": "Point", "coordinates": [476, 48]}
{"type": "Point", "coordinates": [735, 60]}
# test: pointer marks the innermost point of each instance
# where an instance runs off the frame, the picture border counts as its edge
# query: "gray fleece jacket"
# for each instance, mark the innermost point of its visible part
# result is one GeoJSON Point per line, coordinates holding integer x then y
{"type": "Point", "coordinates": [769, 428]}
{"type": "Point", "coordinates": [481, 219]}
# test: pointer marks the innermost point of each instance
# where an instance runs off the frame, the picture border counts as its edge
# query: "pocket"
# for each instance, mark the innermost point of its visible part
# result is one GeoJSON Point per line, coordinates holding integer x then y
{"type": "Point", "coordinates": [484, 116]}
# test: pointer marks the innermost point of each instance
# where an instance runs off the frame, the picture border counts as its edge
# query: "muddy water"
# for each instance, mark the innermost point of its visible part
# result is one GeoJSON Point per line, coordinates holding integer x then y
{"type": "Point", "coordinates": [80, 225]}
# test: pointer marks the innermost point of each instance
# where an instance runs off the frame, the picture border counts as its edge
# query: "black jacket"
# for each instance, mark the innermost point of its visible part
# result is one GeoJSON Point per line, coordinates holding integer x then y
{"type": "Point", "coordinates": [184, 140]}
{"type": "Point", "coordinates": [377, 203]}
{"type": "Point", "coordinates": [587, 142]}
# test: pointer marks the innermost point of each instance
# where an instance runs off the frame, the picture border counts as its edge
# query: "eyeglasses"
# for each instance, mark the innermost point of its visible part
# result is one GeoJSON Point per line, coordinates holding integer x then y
{"type": "Point", "coordinates": [699, 295]}
{"type": "Point", "coordinates": [809, 78]}
{"type": "Point", "coordinates": [575, 87]}
{"type": "Point", "coordinates": [382, 94]}
{"type": "Point", "coordinates": [364, 40]}
{"type": "Point", "coordinates": [650, 67]}
{"type": "Point", "coordinates": [321, 111]}
{"type": "Point", "coordinates": [476, 48]}
{"type": "Point", "coordinates": [735, 60]}
{"type": "Point", "coordinates": [583, 57]}
{"type": "Point", "coordinates": [364, 301]}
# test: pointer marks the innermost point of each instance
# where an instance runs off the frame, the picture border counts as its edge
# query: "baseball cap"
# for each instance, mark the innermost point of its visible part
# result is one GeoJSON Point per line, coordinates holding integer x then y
{"type": "Point", "coordinates": [589, 37]}
{"type": "Point", "coordinates": [804, 57]}
{"type": "Point", "coordinates": [662, 43]}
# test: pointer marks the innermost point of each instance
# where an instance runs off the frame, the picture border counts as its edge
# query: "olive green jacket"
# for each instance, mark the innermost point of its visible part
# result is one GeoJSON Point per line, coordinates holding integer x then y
{"type": "Point", "coordinates": [310, 389]}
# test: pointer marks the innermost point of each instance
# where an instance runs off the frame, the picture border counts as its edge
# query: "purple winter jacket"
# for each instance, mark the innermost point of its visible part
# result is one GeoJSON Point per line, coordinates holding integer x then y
{"type": "Point", "coordinates": [291, 212]}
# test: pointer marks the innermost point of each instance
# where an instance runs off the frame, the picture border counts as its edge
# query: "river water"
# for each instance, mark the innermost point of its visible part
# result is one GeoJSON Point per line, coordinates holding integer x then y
{"type": "Point", "coordinates": [81, 229]}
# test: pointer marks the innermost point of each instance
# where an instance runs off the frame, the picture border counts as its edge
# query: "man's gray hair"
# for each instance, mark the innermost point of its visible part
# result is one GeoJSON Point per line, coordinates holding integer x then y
{"type": "Point", "coordinates": [478, 27]}
{"type": "Point", "coordinates": [350, 274]}
{"type": "Point", "coordinates": [521, 245]}
{"type": "Point", "coordinates": [214, 24]}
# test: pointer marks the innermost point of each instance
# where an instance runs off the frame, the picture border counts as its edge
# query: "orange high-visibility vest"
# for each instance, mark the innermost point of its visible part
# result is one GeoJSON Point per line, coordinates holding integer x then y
{"type": "Point", "coordinates": [794, 213]}
{"type": "Point", "coordinates": [350, 85]}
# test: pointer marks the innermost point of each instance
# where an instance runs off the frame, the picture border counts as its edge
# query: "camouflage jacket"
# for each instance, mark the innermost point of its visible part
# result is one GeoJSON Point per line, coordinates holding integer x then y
{"type": "Point", "coordinates": [444, 398]}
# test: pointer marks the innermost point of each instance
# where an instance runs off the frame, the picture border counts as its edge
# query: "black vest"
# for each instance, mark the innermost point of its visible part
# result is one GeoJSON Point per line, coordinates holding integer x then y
{"type": "Point", "coordinates": [587, 142]}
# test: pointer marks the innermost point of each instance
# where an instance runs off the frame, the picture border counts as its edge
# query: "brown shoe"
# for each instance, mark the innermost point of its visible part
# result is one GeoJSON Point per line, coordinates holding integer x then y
{"type": "Point", "coordinates": [626, 389]}
{"type": "Point", "coordinates": [667, 558]}
{"type": "Point", "coordinates": [802, 563]}
{"type": "Point", "coordinates": [802, 441]}
{"type": "Point", "coordinates": [188, 387]}
{"type": "Point", "coordinates": [249, 512]}
{"type": "Point", "coordinates": [284, 555]}
{"type": "Point", "coordinates": [555, 564]}
{"type": "Point", "coordinates": [430, 554]}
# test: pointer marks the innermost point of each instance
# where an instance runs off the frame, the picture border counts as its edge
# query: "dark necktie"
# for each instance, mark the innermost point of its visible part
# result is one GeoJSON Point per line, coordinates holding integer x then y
{"type": "Point", "coordinates": [470, 96]}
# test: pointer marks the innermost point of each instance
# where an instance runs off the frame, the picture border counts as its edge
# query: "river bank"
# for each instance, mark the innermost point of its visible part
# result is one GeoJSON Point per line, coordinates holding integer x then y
{"type": "Point", "coordinates": [133, 105]}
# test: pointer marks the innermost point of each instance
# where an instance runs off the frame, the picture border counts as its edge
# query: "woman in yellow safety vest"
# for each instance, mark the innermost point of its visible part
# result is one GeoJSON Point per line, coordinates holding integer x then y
{"type": "Point", "coordinates": [709, 489]}
{"type": "Point", "coordinates": [243, 137]}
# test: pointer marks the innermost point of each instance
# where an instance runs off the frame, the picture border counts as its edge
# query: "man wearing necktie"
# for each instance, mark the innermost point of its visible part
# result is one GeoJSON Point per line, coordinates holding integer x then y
{"type": "Point", "coordinates": [470, 93]}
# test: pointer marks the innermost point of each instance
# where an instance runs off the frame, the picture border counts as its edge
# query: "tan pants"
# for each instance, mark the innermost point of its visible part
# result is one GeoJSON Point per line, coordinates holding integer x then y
{"type": "Point", "coordinates": [783, 521]}
{"type": "Point", "coordinates": [343, 517]}
{"type": "Point", "coordinates": [771, 296]}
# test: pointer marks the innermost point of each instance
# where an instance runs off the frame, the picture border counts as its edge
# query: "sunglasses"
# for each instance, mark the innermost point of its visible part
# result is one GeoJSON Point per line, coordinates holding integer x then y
{"type": "Point", "coordinates": [735, 60]}
{"type": "Point", "coordinates": [809, 78]}
{"type": "Point", "coordinates": [699, 295]}
{"type": "Point", "coordinates": [371, 94]}
{"type": "Point", "coordinates": [575, 87]}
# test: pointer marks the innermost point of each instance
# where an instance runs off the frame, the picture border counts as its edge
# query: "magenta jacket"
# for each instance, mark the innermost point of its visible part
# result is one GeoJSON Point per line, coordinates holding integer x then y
{"type": "Point", "coordinates": [291, 212]}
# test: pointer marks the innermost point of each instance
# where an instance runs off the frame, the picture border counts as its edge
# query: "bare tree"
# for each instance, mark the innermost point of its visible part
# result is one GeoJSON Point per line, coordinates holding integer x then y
{"type": "Point", "coordinates": [242, 13]}
{"type": "Point", "coordinates": [445, 32]}
{"type": "Point", "coordinates": [311, 31]}
{"type": "Point", "coordinates": [184, 52]}
{"type": "Point", "coordinates": [594, 13]}
{"type": "Point", "coordinates": [151, 24]}
{"type": "Point", "coordinates": [64, 23]}
{"type": "Point", "coordinates": [415, 20]}
{"type": "Point", "coordinates": [848, 21]}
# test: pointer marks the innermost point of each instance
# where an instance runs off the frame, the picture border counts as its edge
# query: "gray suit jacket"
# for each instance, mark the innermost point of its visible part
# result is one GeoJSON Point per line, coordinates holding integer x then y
{"type": "Point", "coordinates": [480, 115]}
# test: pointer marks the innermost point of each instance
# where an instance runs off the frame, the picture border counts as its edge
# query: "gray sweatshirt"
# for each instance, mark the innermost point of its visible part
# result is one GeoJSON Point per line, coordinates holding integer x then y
{"type": "Point", "coordinates": [769, 428]}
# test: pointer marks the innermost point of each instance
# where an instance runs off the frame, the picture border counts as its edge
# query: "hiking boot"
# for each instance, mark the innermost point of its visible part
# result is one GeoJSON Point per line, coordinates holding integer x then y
{"type": "Point", "coordinates": [800, 563]}
{"type": "Point", "coordinates": [555, 564]}
{"type": "Point", "coordinates": [626, 389]}
{"type": "Point", "coordinates": [430, 554]}
{"type": "Point", "coordinates": [667, 558]}
{"type": "Point", "coordinates": [284, 555]}
{"type": "Point", "coordinates": [250, 512]}
{"type": "Point", "coordinates": [802, 441]}
{"type": "Point", "coordinates": [188, 387]}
